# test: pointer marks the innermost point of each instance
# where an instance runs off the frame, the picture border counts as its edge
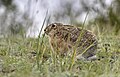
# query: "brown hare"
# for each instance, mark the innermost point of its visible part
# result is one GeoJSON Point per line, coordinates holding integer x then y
{"type": "Point", "coordinates": [64, 38]}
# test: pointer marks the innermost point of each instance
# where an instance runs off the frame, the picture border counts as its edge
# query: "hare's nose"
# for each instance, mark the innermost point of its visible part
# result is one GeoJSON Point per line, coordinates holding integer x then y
{"type": "Point", "coordinates": [44, 29]}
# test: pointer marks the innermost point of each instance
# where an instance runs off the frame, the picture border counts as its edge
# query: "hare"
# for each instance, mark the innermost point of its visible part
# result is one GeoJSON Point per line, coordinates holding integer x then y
{"type": "Point", "coordinates": [66, 38]}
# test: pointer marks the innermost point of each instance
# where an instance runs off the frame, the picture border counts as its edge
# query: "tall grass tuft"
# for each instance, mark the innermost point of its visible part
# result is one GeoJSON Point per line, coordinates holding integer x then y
{"type": "Point", "coordinates": [40, 46]}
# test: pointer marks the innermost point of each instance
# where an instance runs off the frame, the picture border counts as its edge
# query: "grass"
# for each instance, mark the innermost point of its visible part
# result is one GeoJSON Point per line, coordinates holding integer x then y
{"type": "Point", "coordinates": [18, 58]}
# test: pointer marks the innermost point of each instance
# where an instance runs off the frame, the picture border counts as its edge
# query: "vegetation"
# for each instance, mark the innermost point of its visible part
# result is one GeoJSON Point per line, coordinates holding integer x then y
{"type": "Point", "coordinates": [22, 56]}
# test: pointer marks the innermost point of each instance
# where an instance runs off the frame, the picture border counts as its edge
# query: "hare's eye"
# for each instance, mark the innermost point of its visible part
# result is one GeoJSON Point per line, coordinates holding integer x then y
{"type": "Point", "coordinates": [53, 25]}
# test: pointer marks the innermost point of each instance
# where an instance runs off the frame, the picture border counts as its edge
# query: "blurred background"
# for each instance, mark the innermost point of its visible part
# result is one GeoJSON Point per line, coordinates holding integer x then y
{"type": "Point", "coordinates": [25, 17]}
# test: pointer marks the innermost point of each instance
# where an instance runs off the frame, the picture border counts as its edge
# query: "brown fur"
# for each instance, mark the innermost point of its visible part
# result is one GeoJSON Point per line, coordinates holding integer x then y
{"type": "Point", "coordinates": [63, 38]}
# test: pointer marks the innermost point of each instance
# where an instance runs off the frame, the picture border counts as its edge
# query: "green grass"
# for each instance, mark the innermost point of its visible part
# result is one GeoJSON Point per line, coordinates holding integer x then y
{"type": "Point", "coordinates": [17, 59]}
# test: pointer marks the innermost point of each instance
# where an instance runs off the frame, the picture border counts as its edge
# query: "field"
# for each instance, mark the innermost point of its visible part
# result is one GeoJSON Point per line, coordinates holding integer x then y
{"type": "Point", "coordinates": [25, 56]}
{"type": "Point", "coordinates": [32, 57]}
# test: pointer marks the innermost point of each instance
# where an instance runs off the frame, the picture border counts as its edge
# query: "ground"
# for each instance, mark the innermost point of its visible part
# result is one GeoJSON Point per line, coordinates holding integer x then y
{"type": "Point", "coordinates": [29, 57]}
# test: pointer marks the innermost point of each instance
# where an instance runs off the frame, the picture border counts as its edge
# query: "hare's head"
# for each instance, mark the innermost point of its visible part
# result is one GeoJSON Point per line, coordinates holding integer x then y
{"type": "Point", "coordinates": [53, 28]}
